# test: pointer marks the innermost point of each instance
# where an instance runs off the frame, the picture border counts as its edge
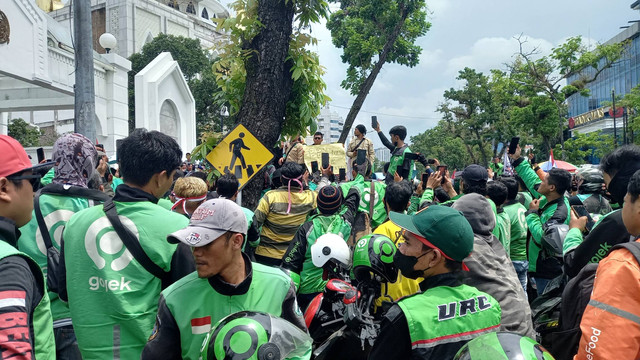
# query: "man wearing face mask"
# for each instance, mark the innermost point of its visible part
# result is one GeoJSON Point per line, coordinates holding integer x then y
{"type": "Point", "coordinates": [617, 168]}
{"type": "Point", "coordinates": [437, 322]}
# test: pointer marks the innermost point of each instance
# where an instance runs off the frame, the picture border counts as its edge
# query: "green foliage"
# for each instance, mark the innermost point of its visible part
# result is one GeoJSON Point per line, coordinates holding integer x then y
{"type": "Point", "coordinates": [581, 146]}
{"type": "Point", "coordinates": [307, 95]}
{"type": "Point", "coordinates": [25, 133]}
{"type": "Point", "coordinates": [195, 66]}
{"type": "Point", "coordinates": [364, 29]}
{"type": "Point", "coordinates": [438, 143]}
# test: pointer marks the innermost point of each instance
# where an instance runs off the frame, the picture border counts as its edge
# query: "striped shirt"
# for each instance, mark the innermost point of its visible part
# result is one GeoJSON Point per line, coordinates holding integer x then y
{"type": "Point", "coordinates": [278, 227]}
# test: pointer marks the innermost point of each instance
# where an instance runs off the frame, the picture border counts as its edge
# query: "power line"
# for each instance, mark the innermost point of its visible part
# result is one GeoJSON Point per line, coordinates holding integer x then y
{"type": "Point", "coordinates": [378, 113]}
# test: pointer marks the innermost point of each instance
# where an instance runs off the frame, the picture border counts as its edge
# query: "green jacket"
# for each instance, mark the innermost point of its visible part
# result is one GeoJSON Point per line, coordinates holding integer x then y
{"type": "Point", "coordinates": [113, 300]}
{"type": "Point", "coordinates": [44, 346]}
{"type": "Point", "coordinates": [497, 168]}
{"type": "Point", "coordinates": [503, 229]}
{"type": "Point", "coordinates": [518, 244]}
{"type": "Point", "coordinates": [554, 212]}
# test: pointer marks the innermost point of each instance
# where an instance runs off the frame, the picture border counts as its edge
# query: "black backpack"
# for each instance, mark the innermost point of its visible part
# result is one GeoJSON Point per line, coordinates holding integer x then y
{"type": "Point", "coordinates": [562, 342]}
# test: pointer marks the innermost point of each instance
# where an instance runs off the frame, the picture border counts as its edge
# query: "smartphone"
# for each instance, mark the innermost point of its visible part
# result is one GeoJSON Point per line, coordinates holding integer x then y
{"type": "Point", "coordinates": [314, 167]}
{"type": "Point", "coordinates": [411, 156]}
{"type": "Point", "coordinates": [425, 178]}
{"type": "Point", "coordinates": [581, 211]}
{"type": "Point", "coordinates": [513, 145]}
{"type": "Point", "coordinates": [374, 122]}
{"type": "Point", "coordinates": [362, 157]}
{"type": "Point", "coordinates": [325, 160]}
{"type": "Point", "coordinates": [442, 169]}
{"type": "Point", "coordinates": [342, 174]}
{"type": "Point", "coordinates": [40, 152]}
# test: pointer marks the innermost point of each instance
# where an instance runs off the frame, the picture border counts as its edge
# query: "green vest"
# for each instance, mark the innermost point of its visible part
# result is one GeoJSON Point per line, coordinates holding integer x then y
{"type": "Point", "coordinates": [518, 244]}
{"type": "Point", "coordinates": [311, 276]}
{"type": "Point", "coordinates": [112, 298]}
{"type": "Point", "coordinates": [196, 306]}
{"type": "Point", "coordinates": [44, 346]}
{"type": "Point", "coordinates": [379, 212]}
{"type": "Point", "coordinates": [503, 226]}
{"type": "Point", "coordinates": [56, 211]}
{"type": "Point", "coordinates": [396, 161]}
{"type": "Point", "coordinates": [442, 314]}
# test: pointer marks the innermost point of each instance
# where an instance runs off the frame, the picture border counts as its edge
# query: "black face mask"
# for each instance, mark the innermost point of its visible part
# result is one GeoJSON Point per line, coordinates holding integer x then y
{"type": "Point", "coordinates": [395, 143]}
{"type": "Point", "coordinates": [406, 263]}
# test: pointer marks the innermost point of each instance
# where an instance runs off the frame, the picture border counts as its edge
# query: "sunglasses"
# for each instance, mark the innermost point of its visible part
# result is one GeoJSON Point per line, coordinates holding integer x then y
{"type": "Point", "coordinates": [317, 138]}
{"type": "Point", "coordinates": [34, 180]}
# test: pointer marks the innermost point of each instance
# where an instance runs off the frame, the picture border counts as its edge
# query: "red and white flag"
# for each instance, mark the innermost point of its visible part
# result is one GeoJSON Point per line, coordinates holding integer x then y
{"type": "Point", "coordinates": [552, 161]}
{"type": "Point", "coordinates": [201, 325]}
{"type": "Point", "coordinates": [13, 298]}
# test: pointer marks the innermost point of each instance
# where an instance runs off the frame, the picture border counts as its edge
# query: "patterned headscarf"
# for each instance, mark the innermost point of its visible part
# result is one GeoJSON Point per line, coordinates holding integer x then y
{"type": "Point", "coordinates": [75, 160]}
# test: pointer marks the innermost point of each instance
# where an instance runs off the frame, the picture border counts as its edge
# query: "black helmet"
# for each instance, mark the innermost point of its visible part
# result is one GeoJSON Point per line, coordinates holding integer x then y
{"type": "Point", "coordinates": [374, 253]}
{"type": "Point", "coordinates": [592, 180]}
{"type": "Point", "coordinates": [253, 335]}
{"type": "Point", "coordinates": [502, 346]}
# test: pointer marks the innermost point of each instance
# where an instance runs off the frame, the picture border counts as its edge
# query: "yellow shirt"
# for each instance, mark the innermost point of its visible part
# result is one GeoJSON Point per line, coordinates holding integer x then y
{"type": "Point", "coordinates": [403, 286]}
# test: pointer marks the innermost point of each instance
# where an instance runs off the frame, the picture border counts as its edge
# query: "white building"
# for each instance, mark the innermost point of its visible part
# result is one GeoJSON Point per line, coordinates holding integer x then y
{"type": "Point", "coordinates": [37, 74]}
{"type": "Point", "coordinates": [136, 22]}
{"type": "Point", "coordinates": [330, 124]}
{"type": "Point", "coordinates": [383, 154]}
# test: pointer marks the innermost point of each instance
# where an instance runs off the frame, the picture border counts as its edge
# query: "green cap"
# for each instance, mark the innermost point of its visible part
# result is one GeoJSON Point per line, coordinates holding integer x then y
{"type": "Point", "coordinates": [443, 227]}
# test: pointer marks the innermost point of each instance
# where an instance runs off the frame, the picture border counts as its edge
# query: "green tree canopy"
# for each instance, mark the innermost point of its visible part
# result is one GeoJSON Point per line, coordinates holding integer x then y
{"type": "Point", "coordinates": [26, 134]}
{"type": "Point", "coordinates": [372, 33]}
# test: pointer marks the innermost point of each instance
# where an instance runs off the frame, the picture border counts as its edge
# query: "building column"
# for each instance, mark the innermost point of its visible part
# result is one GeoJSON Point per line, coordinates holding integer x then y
{"type": "Point", "coordinates": [117, 101]}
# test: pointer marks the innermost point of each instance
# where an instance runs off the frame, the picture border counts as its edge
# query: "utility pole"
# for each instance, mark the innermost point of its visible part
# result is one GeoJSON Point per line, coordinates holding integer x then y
{"type": "Point", "coordinates": [612, 112]}
{"type": "Point", "coordinates": [85, 106]}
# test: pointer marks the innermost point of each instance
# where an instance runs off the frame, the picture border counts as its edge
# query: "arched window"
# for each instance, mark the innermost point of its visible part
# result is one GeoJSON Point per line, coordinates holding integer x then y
{"type": "Point", "coordinates": [205, 13]}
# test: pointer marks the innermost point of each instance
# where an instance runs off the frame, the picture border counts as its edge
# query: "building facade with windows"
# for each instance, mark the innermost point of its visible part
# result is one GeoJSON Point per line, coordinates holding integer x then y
{"type": "Point", "coordinates": [330, 124]}
{"type": "Point", "coordinates": [587, 113]}
{"type": "Point", "coordinates": [136, 22]}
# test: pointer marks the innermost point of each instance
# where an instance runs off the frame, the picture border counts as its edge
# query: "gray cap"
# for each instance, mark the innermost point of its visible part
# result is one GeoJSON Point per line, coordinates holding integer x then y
{"type": "Point", "coordinates": [211, 220]}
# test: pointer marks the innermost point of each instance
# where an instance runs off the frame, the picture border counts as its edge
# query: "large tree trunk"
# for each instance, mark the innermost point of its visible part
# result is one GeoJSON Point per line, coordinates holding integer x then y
{"type": "Point", "coordinates": [368, 83]}
{"type": "Point", "coordinates": [268, 84]}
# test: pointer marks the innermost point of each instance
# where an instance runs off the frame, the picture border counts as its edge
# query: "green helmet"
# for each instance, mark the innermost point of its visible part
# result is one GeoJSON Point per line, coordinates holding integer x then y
{"type": "Point", "coordinates": [502, 346]}
{"type": "Point", "coordinates": [374, 253]}
{"type": "Point", "coordinates": [252, 335]}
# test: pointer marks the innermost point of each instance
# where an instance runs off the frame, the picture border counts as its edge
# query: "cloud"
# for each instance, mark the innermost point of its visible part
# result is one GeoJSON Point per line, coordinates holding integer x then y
{"type": "Point", "coordinates": [493, 52]}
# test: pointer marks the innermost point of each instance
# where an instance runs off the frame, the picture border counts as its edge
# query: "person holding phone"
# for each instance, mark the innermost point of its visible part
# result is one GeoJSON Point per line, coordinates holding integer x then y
{"type": "Point", "coordinates": [360, 142]}
{"type": "Point", "coordinates": [496, 166]}
{"type": "Point", "coordinates": [397, 147]}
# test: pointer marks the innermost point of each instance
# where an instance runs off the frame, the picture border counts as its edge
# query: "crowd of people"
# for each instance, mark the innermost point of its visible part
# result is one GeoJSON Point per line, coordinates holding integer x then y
{"type": "Point", "coordinates": [153, 259]}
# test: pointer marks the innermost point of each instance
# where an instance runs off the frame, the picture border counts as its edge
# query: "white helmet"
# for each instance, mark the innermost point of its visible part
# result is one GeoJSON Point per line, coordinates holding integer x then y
{"type": "Point", "coordinates": [330, 246]}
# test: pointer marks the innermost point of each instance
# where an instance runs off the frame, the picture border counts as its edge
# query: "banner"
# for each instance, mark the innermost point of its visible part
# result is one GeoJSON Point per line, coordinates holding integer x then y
{"type": "Point", "coordinates": [337, 156]}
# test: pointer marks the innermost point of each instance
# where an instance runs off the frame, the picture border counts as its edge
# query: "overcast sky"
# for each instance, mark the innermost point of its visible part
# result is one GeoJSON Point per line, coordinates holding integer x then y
{"type": "Point", "coordinates": [466, 33]}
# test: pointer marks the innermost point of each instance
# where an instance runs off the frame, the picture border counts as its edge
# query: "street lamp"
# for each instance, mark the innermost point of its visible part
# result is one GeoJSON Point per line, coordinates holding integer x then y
{"type": "Point", "coordinates": [224, 112]}
{"type": "Point", "coordinates": [108, 41]}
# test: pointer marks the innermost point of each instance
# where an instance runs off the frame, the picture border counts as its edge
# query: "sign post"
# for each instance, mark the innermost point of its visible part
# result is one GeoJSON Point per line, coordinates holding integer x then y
{"type": "Point", "coordinates": [240, 153]}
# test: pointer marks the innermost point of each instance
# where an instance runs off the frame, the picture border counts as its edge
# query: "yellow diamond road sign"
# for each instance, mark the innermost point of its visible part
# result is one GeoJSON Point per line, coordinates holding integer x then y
{"type": "Point", "coordinates": [241, 154]}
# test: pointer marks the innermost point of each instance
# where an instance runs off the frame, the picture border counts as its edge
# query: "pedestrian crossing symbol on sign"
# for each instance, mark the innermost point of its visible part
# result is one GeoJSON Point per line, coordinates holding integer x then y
{"type": "Point", "coordinates": [240, 153]}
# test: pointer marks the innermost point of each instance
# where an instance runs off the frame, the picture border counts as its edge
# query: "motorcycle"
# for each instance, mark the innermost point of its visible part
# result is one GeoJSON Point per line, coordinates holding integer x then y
{"type": "Point", "coordinates": [341, 319]}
